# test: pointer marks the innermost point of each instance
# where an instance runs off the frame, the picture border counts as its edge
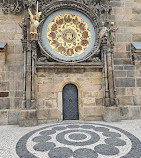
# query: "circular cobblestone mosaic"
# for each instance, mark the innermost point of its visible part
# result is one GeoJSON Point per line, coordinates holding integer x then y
{"type": "Point", "coordinates": [78, 140]}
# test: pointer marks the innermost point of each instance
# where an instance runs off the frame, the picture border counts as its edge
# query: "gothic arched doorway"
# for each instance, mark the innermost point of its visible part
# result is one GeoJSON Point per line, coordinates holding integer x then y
{"type": "Point", "coordinates": [70, 102]}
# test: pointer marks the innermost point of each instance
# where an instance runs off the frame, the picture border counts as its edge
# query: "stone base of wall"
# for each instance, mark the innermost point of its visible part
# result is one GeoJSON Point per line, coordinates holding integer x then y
{"type": "Point", "coordinates": [35, 117]}
{"type": "Point", "coordinates": [28, 118]}
{"type": "Point", "coordinates": [10, 117]}
{"type": "Point", "coordinates": [93, 113]}
{"type": "Point", "coordinates": [130, 112]}
{"type": "Point", "coordinates": [111, 114]}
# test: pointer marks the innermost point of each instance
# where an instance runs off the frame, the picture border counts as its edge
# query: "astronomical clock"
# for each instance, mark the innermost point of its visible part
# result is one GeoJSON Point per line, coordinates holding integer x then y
{"type": "Point", "coordinates": [70, 34]}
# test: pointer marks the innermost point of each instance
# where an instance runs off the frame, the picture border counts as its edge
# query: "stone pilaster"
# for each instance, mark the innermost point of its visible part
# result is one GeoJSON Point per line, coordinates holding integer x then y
{"type": "Point", "coordinates": [111, 111]}
{"type": "Point", "coordinates": [33, 67]}
{"type": "Point", "coordinates": [24, 43]}
{"type": "Point", "coordinates": [28, 115]}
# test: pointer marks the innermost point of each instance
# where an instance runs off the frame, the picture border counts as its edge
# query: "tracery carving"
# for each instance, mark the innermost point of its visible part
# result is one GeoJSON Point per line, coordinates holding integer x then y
{"type": "Point", "coordinates": [13, 6]}
{"type": "Point", "coordinates": [95, 10]}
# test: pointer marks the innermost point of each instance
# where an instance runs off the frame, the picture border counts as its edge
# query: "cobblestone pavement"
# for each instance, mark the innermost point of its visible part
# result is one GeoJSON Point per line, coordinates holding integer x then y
{"type": "Point", "coordinates": [72, 140]}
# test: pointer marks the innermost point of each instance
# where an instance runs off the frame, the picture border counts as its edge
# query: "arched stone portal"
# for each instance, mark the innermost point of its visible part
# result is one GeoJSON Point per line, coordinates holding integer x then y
{"type": "Point", "coordinates": [70, 102]}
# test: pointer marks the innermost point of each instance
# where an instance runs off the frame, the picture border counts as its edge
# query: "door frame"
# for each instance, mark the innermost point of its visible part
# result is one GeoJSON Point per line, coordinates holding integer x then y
{"type": "Point", "coordinates": [80, 99]}
{"type": "Point", "coordinates": [77, 100]}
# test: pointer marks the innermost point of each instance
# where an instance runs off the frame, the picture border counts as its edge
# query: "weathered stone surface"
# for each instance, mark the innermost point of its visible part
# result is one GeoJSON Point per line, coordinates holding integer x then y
{"type": "Point", "coordinates": [3, 117]}
{"type": "Point", "coordinates": [49, 95]}
{"type": "Point", "coordinates": [2, 76]}
{"type": "Point", "coordinates": [28, 114]}
{"type": "Point", "coordinates": [48, 114]}
{"type": "Point", "coordinates": [137, 100]}
{"type": "Point", "coordinates": [134, 112]}
{"type": "Point", "coordinates": [47, 103]}
{"type": "Point", "coordinates": [120, 73]}
{"type": "Point", "coordinates": [118, 67]}
{"type": "Point", "coordinates": [120, 91]}
{"type": "Point", "coordinates": [19, 94]}
{"type": "Point", "coordinates": [121, 54]}
{"type": "Point", "coordinates": [28, 118]}
{"type": "Point", "coordinates": [28, 123]}
{"type": "Point", "coordinates": [111, 114]}
{"type": "Point", "coordinates": [138, 65]}
{"type": "Point", "coordinates": [4, 86]}
{"type": "Point", "coordinates": [17, 102]}
{"type": "Point", "coordinates": [123, 38]}
{"type": "Point", "coordinates": [126, 100]}
{"type": "Point", "coordinates": [14, 67]}
{"type": "Point", "coordinates": [129, 67]}
{"type": "Point", "coordinates": [13, 117]}
{"type": "Point", "coordinates": [136, 11]}
{"type": "Point", "coordinates": [99, 101]}
{"type": "Point", "coordinates": [138, 82]}
{"type": "Point", "coordinates": [92, 113]}
{"type": "Point", "coordinates": [122, 61]}
{"type": "Point", "coordinates": [124, 113]}
{"type": "Point", "coordinates": [131, 91]}
{"type": "Point", "coordinates": [125, 82]}
{"type": "Point", "coordinates": [89, 101]}
{"type": "Point", "coordinates": [136, 38]}
{"type": "Point", "coordinates": [130, 74]}
{"type": "Point", "coordinates": [4, 103]}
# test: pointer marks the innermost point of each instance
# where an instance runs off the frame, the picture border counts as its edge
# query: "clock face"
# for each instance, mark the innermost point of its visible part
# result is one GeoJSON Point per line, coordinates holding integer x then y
{"type": "Point", "coordinates": [68, 35]}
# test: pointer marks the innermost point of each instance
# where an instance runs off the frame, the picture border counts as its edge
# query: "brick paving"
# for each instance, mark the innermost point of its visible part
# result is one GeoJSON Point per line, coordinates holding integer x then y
{"type": "Point", "coordinates": [72, 140]}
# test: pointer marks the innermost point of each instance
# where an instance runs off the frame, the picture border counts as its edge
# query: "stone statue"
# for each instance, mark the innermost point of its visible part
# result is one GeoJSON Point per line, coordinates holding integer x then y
{"type": "Point", "coordinates": [112, 30]}
{"type": "Point", "coordinates": [23, 26]}
{"type": "Point", "coordinates": [34, 24]}
{"type": "Point", "coordinates": [104, 31]}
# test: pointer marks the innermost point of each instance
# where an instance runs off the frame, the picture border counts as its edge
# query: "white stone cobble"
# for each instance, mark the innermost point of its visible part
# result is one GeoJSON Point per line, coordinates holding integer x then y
{"type": "Point", "coordinates": [10, 135]}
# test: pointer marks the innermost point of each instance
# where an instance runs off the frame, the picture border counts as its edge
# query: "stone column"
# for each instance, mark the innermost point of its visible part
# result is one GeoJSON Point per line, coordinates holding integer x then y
{"type": "Point", "coordinates": [111, 110]}
{"type": "Point", "coordinates": [28, 115]}
{"type": "Point", "coordinates": [24, 43]}
{"type": "Point", "coordinates": [106, 84]}
{"type": "Point", "coordinates": [33, 68]}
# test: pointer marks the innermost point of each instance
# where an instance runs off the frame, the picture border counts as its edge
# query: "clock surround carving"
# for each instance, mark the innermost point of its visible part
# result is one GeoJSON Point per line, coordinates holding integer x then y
{"type": "Point", "coordinates": [80, 7]}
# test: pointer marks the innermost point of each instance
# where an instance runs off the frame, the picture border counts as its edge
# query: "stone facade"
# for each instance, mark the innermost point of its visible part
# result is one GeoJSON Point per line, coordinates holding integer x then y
{"type": "Point", "coordinates": [127, 15]}
{"type": "Point", "coordinates": [49, 82]}
{"type": "Point", "coordinates": [50, 86]}
{"type": "Point", "coordinates": [11, 69]}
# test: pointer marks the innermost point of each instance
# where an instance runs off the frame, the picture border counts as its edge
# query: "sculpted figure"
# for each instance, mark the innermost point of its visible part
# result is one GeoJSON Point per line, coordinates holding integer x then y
{"type": "Point", "coordinates": [104, 31]}
{"type": "Point", "coordinates": [23, 26]}
{"type": "Point", "coordinates": [112, 31]}
{"type": "Point", "coordinates": [34, 24]}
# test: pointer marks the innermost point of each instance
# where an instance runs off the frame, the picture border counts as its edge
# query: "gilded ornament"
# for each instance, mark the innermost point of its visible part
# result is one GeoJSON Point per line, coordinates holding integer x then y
{"type": "Point", "coordinates": [68, 34]}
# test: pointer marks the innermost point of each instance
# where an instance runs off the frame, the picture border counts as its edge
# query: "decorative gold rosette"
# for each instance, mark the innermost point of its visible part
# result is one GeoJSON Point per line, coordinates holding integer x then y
{"type": "Point", "coordinates": [69, 35]}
